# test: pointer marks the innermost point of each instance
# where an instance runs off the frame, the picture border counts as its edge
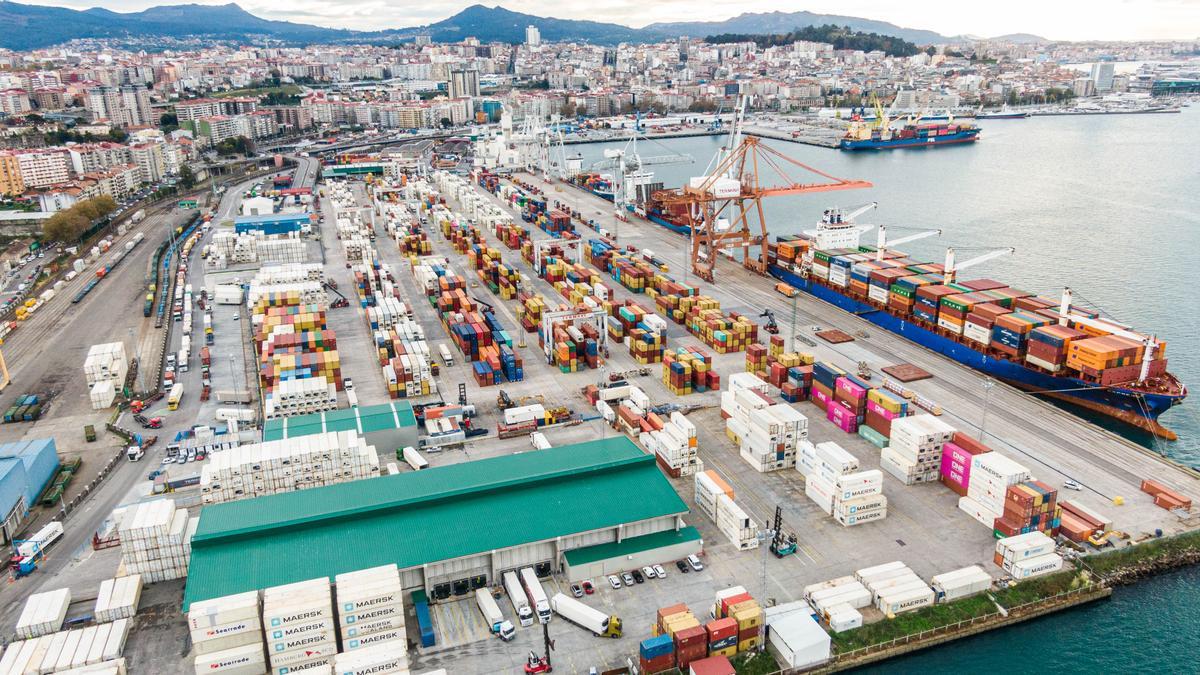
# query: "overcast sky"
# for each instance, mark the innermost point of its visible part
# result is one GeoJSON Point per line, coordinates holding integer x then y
{"type": "Point", "coordinates": [1056, 19]}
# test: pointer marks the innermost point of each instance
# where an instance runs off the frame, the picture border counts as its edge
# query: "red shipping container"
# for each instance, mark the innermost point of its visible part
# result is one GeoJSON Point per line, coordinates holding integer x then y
{"type": "Point", "coordinates": [659, 664]}
{"type": "Point", "coordinates": [696, 635]}
{"type": "Point", "coordinates": [732, 600]}
{"type": "Point", "coordinates": [720, 629]}
{"type": "Point", "coordinates": [686, 655]}
{"type": "Point", "coordinates": [749, 633]}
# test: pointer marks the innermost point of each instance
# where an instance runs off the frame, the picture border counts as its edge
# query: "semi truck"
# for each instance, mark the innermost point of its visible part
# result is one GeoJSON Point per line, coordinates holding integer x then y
{"type": "Point", "coordinates": [516, 594]}
{"type": "Point", "coordinates": [601, 624]}
{"type": "Point", "coordinates": [497, 624]}
{"type": "Point", "coordinates": [537, 596]}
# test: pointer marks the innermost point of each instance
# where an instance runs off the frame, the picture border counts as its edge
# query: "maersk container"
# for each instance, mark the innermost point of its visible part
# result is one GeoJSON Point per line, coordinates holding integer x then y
{"type": "Point", "coordinates": [370, 626]}
{"type": "Point", "coordinates": [844, 618]}
{"type": "Point", "coordinates": [313, 660]}
{"type": "Point", "coordinates": [908, 602]}
{"type": "Point", "coordinates": [900, 588]}
{"type": "Point", "coordinates": [320, 635]}
{"type": "Point", "coordinates": [856, 596]}
{"type": "Point", "coordinates": [370, 614]}
{"type": "Point", "coordinates": [397, 635]}
{"type": "Point", "coordinates": [867, 572]}
{"type": "Point", "coordinates": [1033, 567]}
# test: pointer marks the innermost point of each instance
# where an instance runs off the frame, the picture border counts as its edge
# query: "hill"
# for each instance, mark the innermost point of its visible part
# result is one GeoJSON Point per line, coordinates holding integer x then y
{"type": "Point", "coordinates": [768, 23]}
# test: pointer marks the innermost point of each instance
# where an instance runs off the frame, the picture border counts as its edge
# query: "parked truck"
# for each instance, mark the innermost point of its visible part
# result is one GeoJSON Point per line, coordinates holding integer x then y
{"type": "Point", "coordinates": [516, 594]}
{"type": "Point", "coordinates": [601, 624]}
{"type": "Point", "coordinates": [138, 217]}
{"type": "Point", "coordinates": [495, 620]}
{"type": "Point", "coordinates": [447, 357]}
{"type": "Point", "coordinates": [537, 596]}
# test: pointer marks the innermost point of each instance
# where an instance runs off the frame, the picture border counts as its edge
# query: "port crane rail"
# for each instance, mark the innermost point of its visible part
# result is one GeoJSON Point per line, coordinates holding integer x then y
{"type": "Point", "coordinates": [733, 192]}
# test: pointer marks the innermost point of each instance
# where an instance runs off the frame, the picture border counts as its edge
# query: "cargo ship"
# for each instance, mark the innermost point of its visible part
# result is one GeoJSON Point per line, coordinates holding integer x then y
{"type": "Point", "coordinates": [861, 136]}
{"type": "Point", "coordinates": [1136, 389]}
{"type": "Point", "coordinates": [1043, 346]}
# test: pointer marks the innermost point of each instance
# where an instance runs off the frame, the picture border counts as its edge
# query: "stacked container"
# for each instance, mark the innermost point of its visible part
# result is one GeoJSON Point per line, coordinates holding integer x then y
{"type": "Point", "coordinates": [300, 397]}
{"type": "Point", "coordinates": [106, 362]}
{"type": "Point", "coordinates": [767, 433]}
{"type": "Point", "coordinates": [1031, 506]}
{"type": "Point", "coordinates": [674, 444]}
{"type": "Point", "coordinates": [914, 452]}
{"type": "Point", "coordinates": [991, 474]}
{"type": "Point", "coordinates": [957, 455]}
{"type": "Point", "coordinates": [895, 588]}
{"type": "Point", "coordinates": [227, 634]}
{"type": "Point", "coordinates": [687, 370]}
{"type": "Point", "coordinates": [883, 407]}
{"type": "Point", "coordinates": [832, 481]}
{"type": "Point", "coordinates": [370, 609]}
{"type": "Point", "coordinates": [275, 467]}
{"type": "Point", "coordinates": [43, 613]}
{"type": "Point", "coordinates": [960, 583]}
{"type": "Point", "coordinates": [156, 540]}
{"type": "Point", "coordinates": [299, 625]}
{"type": "Point", "coordinates": [837, 595]}
{"type": "Point", "coordinates": [1027, 555]}
{"type": "Point", "coordinates": [715, 498]}
{"type": "Point", "coordinates": [824, 384]}
{"type": "Point", "coordinates": [735, 603]}
{"type": "Point", "coordinates": [722, 637]}
{"type": "Point", "coordinates": [95, 649]}
{"type": "Point", "coordinates": [656, 654]}
{"type": "Point", "coordinates": [118, 598]}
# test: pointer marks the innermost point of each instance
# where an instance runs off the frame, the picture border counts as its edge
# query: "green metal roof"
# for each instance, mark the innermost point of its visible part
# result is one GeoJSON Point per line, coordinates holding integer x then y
{"type": "Point", "coordinates": [364, 420]}
{"type": "Point", "coordinates": [631, 545]}
{"type": "Point", "coordinates": [425, 516]}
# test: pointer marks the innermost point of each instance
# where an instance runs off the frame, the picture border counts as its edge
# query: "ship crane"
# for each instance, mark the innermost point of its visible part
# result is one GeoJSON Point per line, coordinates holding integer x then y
{"type": "Point", "coordinates": [627, 164]}
{"type": "Point", "coordinates": [951, 268]}
{"type": "Point", "coordinates": [1150, 343]}
{"type": "Point", "coordinates": [882, 241]}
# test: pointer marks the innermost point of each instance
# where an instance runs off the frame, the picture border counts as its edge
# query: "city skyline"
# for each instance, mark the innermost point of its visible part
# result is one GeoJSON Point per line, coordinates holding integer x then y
{"type": "Point", "coordinates": [1074, 20]}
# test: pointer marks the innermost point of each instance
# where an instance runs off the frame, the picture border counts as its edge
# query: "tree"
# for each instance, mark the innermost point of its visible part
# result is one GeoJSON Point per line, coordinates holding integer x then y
{"type": "Point", "coordinates": [1012, 98]}
{"type": "Point", "coordinates": [567, 110]}
{"type": "Point", "coordinates": [445, 123]}
{"type": "Point", "coordinates": [931, 50]}
{"type": "Point", "coordinates": [187, 177]}
{"type": "Point", "coordinates": [169, 122]}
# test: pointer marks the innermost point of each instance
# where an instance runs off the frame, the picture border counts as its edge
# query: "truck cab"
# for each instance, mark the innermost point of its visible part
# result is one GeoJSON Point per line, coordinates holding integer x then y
{"type": "Point", "coordinates": [134, 453]}
{"type": "Point", "coordinates": [504, 630]}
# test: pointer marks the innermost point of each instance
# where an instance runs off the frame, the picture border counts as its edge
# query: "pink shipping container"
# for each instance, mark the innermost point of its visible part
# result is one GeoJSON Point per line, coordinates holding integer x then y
{"type": "Point", "coordinates": [881, 411]}
{"type": "Point", "coordinates": [956, 468]}
{"type": "Point", "coordinates": [843, 417]}
{"type": "Point", "coordinates": [852, 390]}
{"type": "Point", "coordinates": [820, 398]}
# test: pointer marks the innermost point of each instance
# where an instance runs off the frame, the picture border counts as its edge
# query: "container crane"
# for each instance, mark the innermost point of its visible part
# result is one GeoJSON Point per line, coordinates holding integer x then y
{"type": "Point", "coordinates": [628, 166]}
{"type": "Point", "coordinates": [724, 208]}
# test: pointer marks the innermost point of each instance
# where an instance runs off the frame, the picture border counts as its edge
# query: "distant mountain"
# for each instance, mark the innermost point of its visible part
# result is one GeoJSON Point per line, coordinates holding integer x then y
{"type": "Point", "coordinates": [782, 22]}
{"type": "Point", "coordinates": [1024, 38]}
{"type": "Point", "coordinates": [37, 26]}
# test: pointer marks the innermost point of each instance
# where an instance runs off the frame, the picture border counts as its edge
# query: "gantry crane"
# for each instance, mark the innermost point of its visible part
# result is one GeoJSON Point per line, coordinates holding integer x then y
{"type": "Point", "coordinates": [724, 208]}
{"type": "Point", "coordinates": [627, 164]}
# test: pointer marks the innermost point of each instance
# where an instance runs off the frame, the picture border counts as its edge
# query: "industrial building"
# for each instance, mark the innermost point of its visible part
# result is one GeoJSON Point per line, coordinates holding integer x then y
{"type": "Point", "coordinates": [387, 426]}
{"type": "Point", "coordinates": [449, 529]}
{"type": "Point", "coordinates": [273, 223]}
{"type": "Point", "coordinates": [25, 468]}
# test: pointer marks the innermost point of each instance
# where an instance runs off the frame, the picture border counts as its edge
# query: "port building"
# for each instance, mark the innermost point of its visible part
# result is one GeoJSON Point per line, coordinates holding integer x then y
{"type": "Point", "coordinates": [387, 426]}
{"type": "Point", "coordinates": [449, 529]}
{"type": "Point", "coordinates": [25, 469]}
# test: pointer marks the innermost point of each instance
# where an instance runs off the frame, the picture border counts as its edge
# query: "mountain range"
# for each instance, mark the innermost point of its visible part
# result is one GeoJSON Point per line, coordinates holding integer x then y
{"type": "Point", "coordinates": [39, 26]}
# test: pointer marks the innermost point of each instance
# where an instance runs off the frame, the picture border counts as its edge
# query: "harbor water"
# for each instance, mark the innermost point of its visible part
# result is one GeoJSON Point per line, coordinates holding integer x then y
{"type": "Point", "coordinates": [1100, 203]}
{"type": "Point", "coordinates": [1104, 204]}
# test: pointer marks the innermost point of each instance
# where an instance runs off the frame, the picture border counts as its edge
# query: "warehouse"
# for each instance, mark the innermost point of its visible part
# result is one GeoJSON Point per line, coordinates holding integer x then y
{"type": "Point", "coordinates": [450, 529]}
{"type": "Point", "coordinates": [387, 426]}
{"type": "Point", "coordinates": [273, 223]}
{"type": "Point", "coordinates": [25, 468]}
{"type": "Point", "coordinates": [601, 560]}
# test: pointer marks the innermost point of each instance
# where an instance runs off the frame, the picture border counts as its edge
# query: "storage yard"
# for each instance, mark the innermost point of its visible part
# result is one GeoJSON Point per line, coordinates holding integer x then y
{"type": "Point", "coordinates": [409, 386]}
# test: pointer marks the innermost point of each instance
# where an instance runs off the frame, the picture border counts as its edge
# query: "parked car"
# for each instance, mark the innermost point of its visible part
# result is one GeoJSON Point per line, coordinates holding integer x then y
{"type": "Point", "coordinates": [577, 590]}
{"type": "Point", "coordinates": [649, 572]}
{"type": "Point", "coordinates": [637, 576]}
{"type": "Point", "coordinates": [614, 581]}
{"type": "Point", "coordinates": [683, 566]}
{"type": "Point", "coordinates": [695, 562]}
{"type": "Point", "coordinates": [588, 588]}
{"type": "Point", "coordinates": [658, 569]}
{"type": "Point", "coordinates": [627, 578]}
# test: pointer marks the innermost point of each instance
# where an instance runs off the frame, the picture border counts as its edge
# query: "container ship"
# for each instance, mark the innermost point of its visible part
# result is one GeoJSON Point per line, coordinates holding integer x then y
{"type": "Point", "coordinates": [1027, 341]}
{"type": "Point", "coordinates": [861, 136]}
{"type": "Point", "coordinates": [1043, 346]}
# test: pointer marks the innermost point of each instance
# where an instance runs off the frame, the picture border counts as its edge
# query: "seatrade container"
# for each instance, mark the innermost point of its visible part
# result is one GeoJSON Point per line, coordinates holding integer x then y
{"type": "Point", "coordinates": [244, 660]}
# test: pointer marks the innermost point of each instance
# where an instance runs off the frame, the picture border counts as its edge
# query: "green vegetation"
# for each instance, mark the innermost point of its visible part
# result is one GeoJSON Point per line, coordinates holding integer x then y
{"type": "Point", "coordinates": [1152, 551]}
{"type": "Point", "coordinates": [754, 663]}
{"type": "Point", "coordinates": [841, 37]}
{"type": "Point", "coordinates": [233, 146]}
{"type": "Point", "coordinates": [168, 122]}
{"type": "Point", "coordinates": [284, 90]}
{"type": "Point", "coordinates": [187, 177]}
{"type": "Point", "coordinates": [70, 224]}
{"type": "Point", "coordinates": [976, 606]}
{"type": "Point", "coordinates": [62, 135]}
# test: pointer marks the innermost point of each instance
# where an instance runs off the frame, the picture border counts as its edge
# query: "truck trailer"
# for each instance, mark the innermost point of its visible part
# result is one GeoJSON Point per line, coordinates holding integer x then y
{"type": "Point", "coordinates": [516, 594]}
{"type": "Point", "coordinates": [601, 624]}
{"type": "Point", "coordinates": [497, 624]}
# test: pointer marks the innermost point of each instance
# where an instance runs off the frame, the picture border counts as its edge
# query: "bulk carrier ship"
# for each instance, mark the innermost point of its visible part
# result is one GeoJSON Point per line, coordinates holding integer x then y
{"type": "Point", "coordinates": [1044, 347]}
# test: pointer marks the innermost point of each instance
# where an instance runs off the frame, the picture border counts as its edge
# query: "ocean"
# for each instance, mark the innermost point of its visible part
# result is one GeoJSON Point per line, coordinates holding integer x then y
{"type": "Point", "coordinates": [1104, 204]}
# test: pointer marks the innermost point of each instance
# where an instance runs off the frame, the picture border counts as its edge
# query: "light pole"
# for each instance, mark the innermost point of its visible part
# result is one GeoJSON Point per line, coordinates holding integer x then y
{"type": "Point", "coordinates": [988, 384]}
{"type": "Point", "coordinates": [765, 537]}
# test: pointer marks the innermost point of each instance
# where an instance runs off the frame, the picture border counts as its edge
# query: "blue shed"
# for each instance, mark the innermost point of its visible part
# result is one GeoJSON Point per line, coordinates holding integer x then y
{"type": "Point", "coordinates": [272, 223]}
{"type": "Point", "coordinates": [25, 468]}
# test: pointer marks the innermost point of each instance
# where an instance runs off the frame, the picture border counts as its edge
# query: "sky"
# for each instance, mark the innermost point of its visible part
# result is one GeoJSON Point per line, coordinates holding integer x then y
{"type": "Point", "coordinates": [1055, 19]}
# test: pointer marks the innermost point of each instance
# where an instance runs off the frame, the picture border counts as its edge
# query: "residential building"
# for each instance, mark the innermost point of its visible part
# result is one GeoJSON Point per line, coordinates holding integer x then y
{"type": "Point", "coordinates": [89, 157]}
{"type": "Point", "coordinates": [40, 168]}
{"type": "Point", "coordinates": [125, 106]}
{"type": "Point", "coordinates": [10, 175]}
{"type": "Point", "coordinates": [291, 116]}
{"type": "Point", "coordinates": [1102, 76]}
{"type": "Point", "coordinates": [148, 157]}
{"type": "Point", "coordinates": [533, 36]}
{"type": "Point", "coordinates": [464, 83]}
{"type": "Point", "coordinates": [14, 102]}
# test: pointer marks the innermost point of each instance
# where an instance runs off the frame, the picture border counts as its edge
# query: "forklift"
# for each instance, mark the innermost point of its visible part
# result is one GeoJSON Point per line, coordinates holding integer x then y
{"type": "Point", "coordinates": [771, 327]}
{"type": "Point", "coordinates": [541, 664]}
{"type": "Point", "coordinates": [782, 545]}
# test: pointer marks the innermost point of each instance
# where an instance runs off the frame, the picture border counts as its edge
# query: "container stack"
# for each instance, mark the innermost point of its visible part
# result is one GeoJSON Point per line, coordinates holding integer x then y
{"type": "Point", "coordinates": [824, 384]}
{"type": "Point", "coordinates": [102, 394]}
{"type": "Point", "coordinates": [1027, 555]}
{"type": "Point", "coordinates": [960, 583]}
{"type": "Point", "coordinates": [735, 603]}
{"type": "Point", "coordinates": [724, 333]}
{"type": "Point", "coordinates": [106, 362]}
{"type": "Point", "coordinates": [275, 293]}
{"type": "Point", "coordinates": [957, 454]}
{"type": "Point", "coordinates": [95, 649]}
{"type": "Point", "coordinates": [895, 588]}
{"type": "Point", "coordinates": [300, 397]}
{"type": "Point", "coordinates": [1048, 346]}
{"type": "Point", "coordinates": [991, 474]}
{"type": "Point", "coordinates": [299, 625]}
{"type": "Point", "coordinates": [1031, 506]}
{"type": "Point", "coordinates": [1079, 523]}
{"type": "Point", "coordinates": [687, 635]}
{"type": "Point", "coordinates": [673, 444]}
{"type": "Point", "coordinates": [689, 369]}
{"type": "Point", "coordinates": [156, 540]}
{"type": "Point", "coordinates": [646, 346]}
{"type": "Point", "coordinates": [883, 407]}
{"type": "Point", "coordinates": [722, 636]}
{"type": "Point", "coordinates": [834, 483]}
{"type": "Point", "coordinates": [838, 597]}
{"type": "Point", "coordinates": [849, 405]}
{"type": "Point", "coordinates": [914, 452]}
{"type": "Point", "coordinates": [118, 598]}
{"type": "Point", "coordinates": [43, 613]}
{"type": "Point", "coordinates": [274, 467]}
{"type": "Point", "coordinates": [1109, 359]}
{"type": "Point", "coordinates": [227, 634]}
{"type": "Point", "coordinates": [656, 654]}
{"type": "Point", "coordinates": [370, 609]}
{"type": "Point", "coordinates": [715, 498]}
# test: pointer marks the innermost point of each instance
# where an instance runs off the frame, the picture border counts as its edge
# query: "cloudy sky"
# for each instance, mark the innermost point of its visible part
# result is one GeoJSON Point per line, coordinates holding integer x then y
{"type": "Point", "coordinates": [1057, 19]}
